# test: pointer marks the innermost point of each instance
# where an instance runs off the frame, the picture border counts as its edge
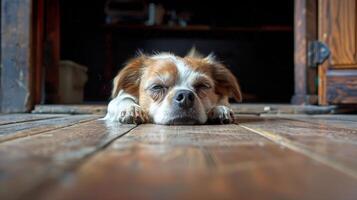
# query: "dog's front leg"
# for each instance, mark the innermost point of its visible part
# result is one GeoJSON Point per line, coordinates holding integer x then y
{"type": "Point", "coordinates": [221, 113]}
{"type": "Point", "coordinates": [125, 109]}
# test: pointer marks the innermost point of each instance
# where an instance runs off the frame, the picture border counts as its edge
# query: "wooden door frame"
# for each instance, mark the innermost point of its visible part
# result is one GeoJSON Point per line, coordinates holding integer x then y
{"type": "Point", "coordinates": [16, 85]}
{"type": "Point", "coordinates": [305, 31]}
{"type": "Point", "coordinates": [27, 51]}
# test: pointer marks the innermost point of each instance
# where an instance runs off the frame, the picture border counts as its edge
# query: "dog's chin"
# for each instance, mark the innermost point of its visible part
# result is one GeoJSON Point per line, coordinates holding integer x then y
{"type": "Point", "coordinates": [182, 121]}
{"type": "Point", "coordinates": [179, 117]}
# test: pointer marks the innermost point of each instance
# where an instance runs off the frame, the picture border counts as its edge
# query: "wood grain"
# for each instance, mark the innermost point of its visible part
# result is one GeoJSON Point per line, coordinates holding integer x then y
{"type": "Point", "coordinates": [25, 129]}
{"type": "Point", "coordinates": [305, 31]}
{"type": "Point", "coordinates": [15, 56]}
{"type": "Point", "coordinates": [245, 108]}
{"type": "Point", "coordinates": [332, 145]}
{"type": "Point", "coordinates": [52, 50]}
{"type": "Point", "coordinates": [341, 86]}
{"type": "Point", "coordinates": [338, 29]}
{"type": "Point", "coordinates": [27, 162]}
{"type": "Point", "coordinates": [70, 109]}
{"type": "Point", "coordinates": [257, 109]}
{"type": "Point", "coordinates": [24, 117]}
{"type": "Point", "coordinates": [339, 121]}
{"type": "Point", "coordinates": [38, 49]}
{"type": "Point", "coordinates": [199, 162]}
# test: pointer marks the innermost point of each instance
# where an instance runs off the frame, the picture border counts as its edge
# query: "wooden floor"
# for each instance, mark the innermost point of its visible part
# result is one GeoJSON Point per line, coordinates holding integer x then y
{"type": "Point", "coordinates": [46, 156]}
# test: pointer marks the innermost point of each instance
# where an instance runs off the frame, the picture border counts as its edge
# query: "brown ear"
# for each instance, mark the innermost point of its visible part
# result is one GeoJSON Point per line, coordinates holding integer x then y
{"type": "Point", "coordinates": [128, 79]}
{"type": "Point", "coordinates": [226, 83]}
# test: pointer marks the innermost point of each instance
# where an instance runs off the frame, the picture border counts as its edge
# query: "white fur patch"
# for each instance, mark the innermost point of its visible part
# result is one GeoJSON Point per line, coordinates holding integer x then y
{"type": "Point", "coordinates": [119, 104]}
{"type": "Point", "coordinates": [186, 75]}
{"type": "Point", "coordinates": [163, 112]}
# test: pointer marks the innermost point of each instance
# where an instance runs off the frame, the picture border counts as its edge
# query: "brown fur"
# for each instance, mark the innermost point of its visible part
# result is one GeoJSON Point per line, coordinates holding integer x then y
{"type": "Point", "coordinates": [152, 73]}
{"type": "Point", "coordinates": [142, 67]}
{"type": "Point", "coordinates": [128, 79]}
{"type": "Point", "coordinates": [225, 82]}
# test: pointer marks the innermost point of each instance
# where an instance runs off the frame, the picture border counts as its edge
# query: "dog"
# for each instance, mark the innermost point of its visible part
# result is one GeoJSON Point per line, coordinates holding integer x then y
{"type": "Point", "coordinates": [171, 90]}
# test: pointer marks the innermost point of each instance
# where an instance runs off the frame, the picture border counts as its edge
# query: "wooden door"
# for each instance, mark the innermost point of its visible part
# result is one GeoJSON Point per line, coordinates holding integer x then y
{"type": "Point", "coordinates": [337, 27]}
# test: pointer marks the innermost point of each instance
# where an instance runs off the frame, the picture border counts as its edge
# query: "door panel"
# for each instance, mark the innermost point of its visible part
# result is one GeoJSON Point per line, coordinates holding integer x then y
{"type": "Point", "coordinates": [342, 86]}
{"type": "Point", "coordinates": [338, 29]}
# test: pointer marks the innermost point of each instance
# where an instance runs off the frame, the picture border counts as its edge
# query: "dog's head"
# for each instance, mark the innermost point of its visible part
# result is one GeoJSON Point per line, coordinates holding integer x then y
{"type": "Point", "coordinates": [177, 90]}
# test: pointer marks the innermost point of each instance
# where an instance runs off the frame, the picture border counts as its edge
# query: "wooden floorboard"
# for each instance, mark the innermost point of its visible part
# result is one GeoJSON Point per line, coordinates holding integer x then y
{"type": "Point", "coordinates": [266, 157]}
{"type": "Point", "coordinates": [244, 108]}
{"type": "Point", "coordinates": [32, 127]}
{"type": "Point", "coordinates": [200, 162]}
{"type": "Point", "coordinates": [342, 121]}
{"type": "Point", "coordinates": [247, 108]}
{"type": "Point", "coordinates": [350, 117]}
{"type": "Point", "coordinates": [320, 139]}
{"type": "Point", "coordinates": [71, 109]}
{"type": "Point", "coordinates": [27, 162]}
{"type": "Point", "coordinates": [18, 118]}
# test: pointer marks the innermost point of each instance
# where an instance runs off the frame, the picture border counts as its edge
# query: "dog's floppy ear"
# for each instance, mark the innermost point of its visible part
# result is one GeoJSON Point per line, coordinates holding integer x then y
{"type": "Point", "coordinates": [226, 83]}
{"type": "Point", "coordinates": [128, 79]}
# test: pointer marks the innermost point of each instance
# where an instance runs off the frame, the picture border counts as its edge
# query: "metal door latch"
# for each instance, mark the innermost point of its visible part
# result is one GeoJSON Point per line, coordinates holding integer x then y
{"type": "Point", "coordinates": [318, 52]}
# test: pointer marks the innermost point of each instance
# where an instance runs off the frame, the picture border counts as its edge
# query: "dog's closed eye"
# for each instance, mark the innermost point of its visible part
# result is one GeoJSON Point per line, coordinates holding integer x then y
{"type": "Point", "coordinates": [157, 91]}
{"type": "Point", "coordinates": [202, 86]}
{"type": "Point", "coordinates": [157, 87]}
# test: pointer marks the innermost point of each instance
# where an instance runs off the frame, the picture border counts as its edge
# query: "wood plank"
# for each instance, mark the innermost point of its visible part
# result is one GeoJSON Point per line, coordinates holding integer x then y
{"type": "Point", "coordinates": [305, 31]}
{"type": "Point", "coordinates": [23, 117]}
{"type": "Point", "coordinates": [341, 121]}
{"type": "Point", "coordinates": [70, 109]}
{"type": "Point", "coordinates": [341, 86]}
{"type": "Point", "coordinates": [199, 162]}
{"type": "Point", "coordinates": [322, 86]}
{"type": "Point", "coordinates": [25, 129]}
{"type": "Point", "coordinates": [248, 108]}
{"type": "Point", "coordinates": [27, 162]}
{"type": "Point", "coordinates": [348, 118]}
{"type": "Point", "coordinates": [334, 146]}
{"type": "Point", "coordinates": [15, 56]}
{"type": "Point", "coordinates": [52, 50]}
{"type": "Point", "coordinates": [245, 108]}
{"type": "Point", "coordinates": [38, 49]}
{"type": "Point", "coordinates": [338, 30]}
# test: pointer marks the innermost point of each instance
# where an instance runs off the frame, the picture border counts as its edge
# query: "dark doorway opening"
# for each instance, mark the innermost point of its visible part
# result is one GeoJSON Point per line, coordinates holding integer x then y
{"type": "Point", "coordinates": [254, 38]}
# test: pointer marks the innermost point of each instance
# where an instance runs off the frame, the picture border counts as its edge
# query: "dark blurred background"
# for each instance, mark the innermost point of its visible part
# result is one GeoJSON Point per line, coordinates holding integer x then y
{"type": "Point", "coordinates": [254, 38]}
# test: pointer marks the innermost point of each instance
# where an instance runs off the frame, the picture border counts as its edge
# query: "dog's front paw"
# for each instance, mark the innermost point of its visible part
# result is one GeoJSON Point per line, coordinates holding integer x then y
{"type": "Point", "coordinates": [128, 113]}
{"type": "Point", "coordinates": [220, 115]}
{"type": "Point", "coordinates": [133, 115]}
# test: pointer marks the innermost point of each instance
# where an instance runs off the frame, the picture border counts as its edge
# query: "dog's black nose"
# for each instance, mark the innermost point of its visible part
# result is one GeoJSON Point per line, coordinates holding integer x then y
{"type": "Point", "coordinates": [184, 98]}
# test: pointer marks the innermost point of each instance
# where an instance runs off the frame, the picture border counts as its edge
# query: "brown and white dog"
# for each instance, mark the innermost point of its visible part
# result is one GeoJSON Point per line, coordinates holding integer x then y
{"type": "Point", "coordinates": [168, 89]}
